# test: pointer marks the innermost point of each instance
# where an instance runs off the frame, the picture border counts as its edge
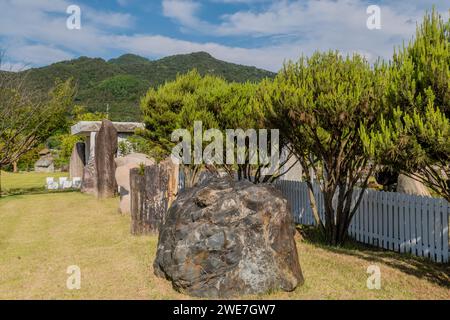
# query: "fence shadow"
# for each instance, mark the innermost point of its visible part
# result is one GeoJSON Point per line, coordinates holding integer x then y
{"type": "Point", "coordinates": [419, 267]}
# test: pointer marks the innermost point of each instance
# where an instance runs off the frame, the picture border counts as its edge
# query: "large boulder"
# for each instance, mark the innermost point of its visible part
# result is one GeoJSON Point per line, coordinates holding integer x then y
{"type": "Point", "coordinates": [123, 167]}
{"type": "Point", "coordinates": [224, 238]}
{"type": "Point", "coordinates": [77, 160]}
{"type": "Point", "coordinates": [408, 185]}
{"type": "Point", "coordinates": [134, 158]}
{"type": "Point", "coordinates": [105, 153]}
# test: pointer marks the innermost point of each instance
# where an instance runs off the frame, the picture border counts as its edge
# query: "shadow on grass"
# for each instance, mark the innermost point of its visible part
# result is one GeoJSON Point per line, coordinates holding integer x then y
{"type": "Point", "coordinates": [35, 190]}
{"type": "Point", "coordinates": [438, 273]}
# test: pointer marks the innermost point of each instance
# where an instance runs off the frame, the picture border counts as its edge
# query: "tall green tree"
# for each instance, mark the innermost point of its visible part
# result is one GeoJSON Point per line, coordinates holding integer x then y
{"type": "Point", "coordinates": [215, 102]}
{"type": "Point", "coordinates": [177, 105]}
{"type": "Point", "coordinates": [319, 105]}
{"type": "Point", "coordinates": [415, 137]}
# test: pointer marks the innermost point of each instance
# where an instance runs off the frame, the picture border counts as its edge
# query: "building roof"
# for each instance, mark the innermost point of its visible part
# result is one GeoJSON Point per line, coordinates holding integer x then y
{"type": "Point", "coordinates": [86, 127]}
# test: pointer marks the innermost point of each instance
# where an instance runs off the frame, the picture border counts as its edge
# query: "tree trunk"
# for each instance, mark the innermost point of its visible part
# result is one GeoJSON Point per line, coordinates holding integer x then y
{"type": "Point", "coordinates": [337, 221]}
{"type": "Point", "coordinates": [314, 208]}
{"type": "Point", "coordinates": [15, 168]}
{"type": "Point", "coordinates": [191, 175]}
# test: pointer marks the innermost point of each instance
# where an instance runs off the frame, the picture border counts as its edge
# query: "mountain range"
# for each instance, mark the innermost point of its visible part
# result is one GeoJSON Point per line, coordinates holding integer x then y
{"type": "Point", "coordinates": [118, 84]}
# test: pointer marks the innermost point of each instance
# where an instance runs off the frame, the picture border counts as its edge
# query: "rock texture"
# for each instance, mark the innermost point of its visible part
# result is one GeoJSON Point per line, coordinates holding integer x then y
{"type": "Point", "coordinates": [152, 192]}
{"type": "Point", "coordinates": [410, 186]}
{"type": "Point", "coordinates": [105, 152]}
{"type": "Point", "coordinates": [225, 238]}
{"type": "Point", "coordinates": [77, 160]}
{"type": "Point", "coordinates": [172, 172]}
{"type": "Point", "coordinates": [89, 183]}
{"type": "Point", "coordinates": [123, 167]}
{"type": "Point", "coordinates": [45, 162]}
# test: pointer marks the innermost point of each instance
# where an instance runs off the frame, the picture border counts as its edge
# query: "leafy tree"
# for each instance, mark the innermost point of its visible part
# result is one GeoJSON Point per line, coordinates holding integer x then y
{"type": "Point", "coordinates": [415, 137]}
{"type": "Point", "coordinates": [67, 142]}
{"type": "Point", "coordinates": [161, 110]}
{"type": "Point", "coordinates": [81, 113]}
{"type": "Point", "coordinates": [211, 100]}
{"type": "Point", "coordinates": [242, 111]}
{"type": "Point", "coordinates": [177, 105]}
{"type": "Point", "coordinates": [27, 118]}
{"type": "Point", "coordinates": [319, 104]}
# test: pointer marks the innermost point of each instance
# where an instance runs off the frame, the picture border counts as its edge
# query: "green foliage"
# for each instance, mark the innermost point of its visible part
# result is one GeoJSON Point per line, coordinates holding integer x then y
{"type": "Point", "coordinates": [122, 87]}
{"type": "Point", "coordinates": [178, 104]}
{"type": "Point", "coordinates": [415, 137]}
{"type": "Point", "coordinates": [241, 110]}
{"type": "Point", "coordinates": [80, 113]}
{"type": "Point", "coordinates": [62, 141]}
{"type": "Point", "coordinates": [27, 161]}
{"type": "Point", "coordinates": [27, 120]}
{"type": "Point", "coordinates": [124, 148]}
{"type": "Point", "coordinates": [67, 142]}
{"type": "Point", "coordinates": [420, 71]}
{"type": "Point", "coordinates": [192, 97]}
{"type": "Point", "coordinates": [319, 104]}
{"type": "Point", "coordinates": [121, 82]}
{"type": "Point", "coordinates": [141, 169]}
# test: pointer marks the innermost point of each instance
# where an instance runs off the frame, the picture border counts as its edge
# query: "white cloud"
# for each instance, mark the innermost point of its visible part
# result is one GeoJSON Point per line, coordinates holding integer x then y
{"type": "Point", "coordinates": [13, 66]}
{"type": "Point", "coordinates": [38, 54]}
{"type": "Point", "coordinates": [110, 19]}
{"type": "Point", "coordinates": [267, 57]}
{"type": "Point", "coordinates": [284, 30]}
{"type": "Point", "coordinates": [317, 25]}
{"type": "Point", "coordinates": [183, 11]}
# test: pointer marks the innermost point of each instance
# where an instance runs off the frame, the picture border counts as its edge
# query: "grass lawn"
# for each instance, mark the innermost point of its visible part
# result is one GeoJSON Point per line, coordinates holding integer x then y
{"type": "Point", "coordinates": [27, 180]}
{"type": "Point", "coordinates": [41, 235]}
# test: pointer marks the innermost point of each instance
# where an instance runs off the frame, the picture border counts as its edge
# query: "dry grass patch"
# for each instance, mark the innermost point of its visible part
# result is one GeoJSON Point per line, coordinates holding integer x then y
{"type": "Point", "coordinates": [41, 235]}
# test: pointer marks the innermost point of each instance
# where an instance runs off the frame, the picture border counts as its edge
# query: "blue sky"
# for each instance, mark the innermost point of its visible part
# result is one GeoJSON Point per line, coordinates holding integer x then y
{"type": "Point", "coordinates": [253, 32]}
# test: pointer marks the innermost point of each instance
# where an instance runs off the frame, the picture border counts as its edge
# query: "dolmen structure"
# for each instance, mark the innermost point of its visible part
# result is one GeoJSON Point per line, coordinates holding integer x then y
{"type": "Point", "coordinates": [95, 158]}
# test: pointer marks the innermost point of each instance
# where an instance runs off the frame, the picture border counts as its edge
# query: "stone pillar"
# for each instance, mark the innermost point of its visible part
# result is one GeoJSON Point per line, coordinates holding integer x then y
{"type": "Point", "coordinates": [123, 167]}
{"type": "Point", "coordinates": [172, 171]}
{"type": "Point", "coordinates": [140, 223]}
{"type": "Point", "coordinates": [91, 145]}
{"type": "Point", "coordinates": [77, 161]}
{"type": "Point", "coordinates": [105, 152]}
{"type": "Point", "coordinates": [152, 193]}
{"type": "Point", "coordinates": [89, 184]}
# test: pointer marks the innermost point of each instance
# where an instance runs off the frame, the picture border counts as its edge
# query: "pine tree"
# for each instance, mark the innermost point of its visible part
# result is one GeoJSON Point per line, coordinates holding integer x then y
{"type": "Point", "coordinates": [415, 137]}
{"type": "Point", "coordinates": [319, 104]}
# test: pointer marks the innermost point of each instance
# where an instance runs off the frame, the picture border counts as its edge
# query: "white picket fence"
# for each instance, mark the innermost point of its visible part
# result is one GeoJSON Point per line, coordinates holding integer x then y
{"type": "Point", "coordinates": [390, 220]}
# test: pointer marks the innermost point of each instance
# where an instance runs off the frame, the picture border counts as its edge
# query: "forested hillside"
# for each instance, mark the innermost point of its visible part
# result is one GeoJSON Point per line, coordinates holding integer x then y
{"type": "Point", "coordinates": [118, 84]}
